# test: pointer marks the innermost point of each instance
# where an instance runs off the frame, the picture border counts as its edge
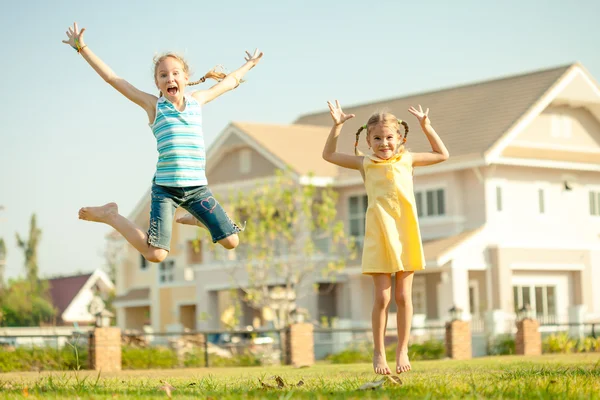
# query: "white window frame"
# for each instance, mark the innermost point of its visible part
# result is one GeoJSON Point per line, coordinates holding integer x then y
{"type": "Point", "coordinates": [419, 288]}
{"type": "Point", "coordinates": [498, 197]}
{"type": "Point", "coordinates": [360, 216]}
{"type": "Point", "coordinates": [474, 284]}
{"type": "Point", "coordinates": [245, 161]}
{"type": "Point", "coordinates": [423, 205]}
{"type": "Point", "coordinates": [594, 206]}
{"type": "Point", "coordinates": [533, 301]}
{"type": "Point", "coordinates": [561, 126]}
{"type": "Point", "coordinates": [166, 271]}
{"type": "Point", "coordinates": [541, 196]}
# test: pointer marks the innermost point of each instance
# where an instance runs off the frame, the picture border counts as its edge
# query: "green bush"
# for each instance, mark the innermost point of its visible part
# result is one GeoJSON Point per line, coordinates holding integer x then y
{"type": "Point", "coordinates": [148, 358]}
{"type": "Point", "coordinates": [562, 343]}
{"type": "Point", "coordinates": [558, 343]}
{"type": "Point", "coordinates": [501, 345]}
{"type": "Point", "coordinates": [43, 359]}
{"type": "Point", "coordinates": [428, 350]}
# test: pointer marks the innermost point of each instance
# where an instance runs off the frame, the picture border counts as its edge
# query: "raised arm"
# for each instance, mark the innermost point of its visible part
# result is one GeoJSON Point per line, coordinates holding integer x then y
{"type": "Point", "coordinates": [438, 152]}
{"type": "Point", "coordinates": [230, 82]}
{"type": "Point", "coordinates": [143, 99]}
{"type": "Point", "coordinates": [330, 152]}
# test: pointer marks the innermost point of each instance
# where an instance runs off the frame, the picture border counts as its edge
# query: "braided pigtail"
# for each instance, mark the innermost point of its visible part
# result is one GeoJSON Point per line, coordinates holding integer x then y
{"type": "Point", "coordinates": [216, 73]}
{"type": "Point", "coordinates": [405, 125]}
{"type": "Point", "coordinates": [356, 151]}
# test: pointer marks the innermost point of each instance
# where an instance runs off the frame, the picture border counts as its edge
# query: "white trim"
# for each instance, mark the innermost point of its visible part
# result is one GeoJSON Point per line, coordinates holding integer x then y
{"type": "Point", "coordinates": [545, 245]}
{"type": "Point", "coordinates": [178, 284]}
{"type": "Point", "coordinates": [441, 220]}
{"type": "Point", "coordinates": [552, 146]}
{"type": "Point", "coordinates": [493, 153]}
{"type": "Point", "coordinates": [98, 274]}
{"type": "Point", "coordinates": [319, 181]}
{"type": "Point", "coordinates": [132, 303]}
{"type": "Point", "coordinates": [527, 162]}
{"type": "Point", "coordinates": [518, 266]}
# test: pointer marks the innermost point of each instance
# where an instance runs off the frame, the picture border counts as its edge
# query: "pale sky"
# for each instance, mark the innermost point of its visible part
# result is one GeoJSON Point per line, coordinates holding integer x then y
{"type": "Point", "coordinates": [69, 140]}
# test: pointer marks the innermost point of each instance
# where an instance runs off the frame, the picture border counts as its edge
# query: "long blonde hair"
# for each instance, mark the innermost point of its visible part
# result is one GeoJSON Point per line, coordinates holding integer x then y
{"type": "Point", "coordinates": [386, 119]}
{"type": "Point", "coordinates": [212, 74]}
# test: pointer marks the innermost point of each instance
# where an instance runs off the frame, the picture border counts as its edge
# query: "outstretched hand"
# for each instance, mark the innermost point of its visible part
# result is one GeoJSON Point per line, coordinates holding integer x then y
{"type": "Point", "coordinates": [421, 116]}
{"type": "Point", "coordinates": [337, 114]}
{"type": "Point", "coordinates": [253, 58]}
{"type": "Point", "coordinates": [75, 37]}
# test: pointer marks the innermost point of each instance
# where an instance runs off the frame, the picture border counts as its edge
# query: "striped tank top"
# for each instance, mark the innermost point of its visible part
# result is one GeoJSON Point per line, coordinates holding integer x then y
{"type": "Point", "coordinates": [180, 144]}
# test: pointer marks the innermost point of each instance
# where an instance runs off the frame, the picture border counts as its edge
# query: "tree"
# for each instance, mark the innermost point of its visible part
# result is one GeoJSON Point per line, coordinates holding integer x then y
{"type": "Point", "coordinates": [291, 235]}
{"type": "Point", "coordinates": [2, 263]}
{"type": "Point", "coordinates": [22, 305]}
{"type": "Point", "coordinates": [30, 249]}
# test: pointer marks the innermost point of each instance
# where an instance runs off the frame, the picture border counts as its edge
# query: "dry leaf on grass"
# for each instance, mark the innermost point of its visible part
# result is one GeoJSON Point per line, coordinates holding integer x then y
{"type": "Point", "coordinates": [280, 383]}
{"type": "Point", "coordinates": [388, 379]}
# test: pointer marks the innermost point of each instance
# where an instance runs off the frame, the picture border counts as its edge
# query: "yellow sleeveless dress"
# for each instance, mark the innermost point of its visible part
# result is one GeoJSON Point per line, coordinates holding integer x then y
{"type": "Point", "coordinates": [392, 238]}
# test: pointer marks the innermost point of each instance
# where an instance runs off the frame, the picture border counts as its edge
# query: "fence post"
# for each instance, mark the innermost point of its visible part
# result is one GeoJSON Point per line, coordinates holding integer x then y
{"type": "Point", "coordinates": [458, 340]}
{"type": "Point", "coordinates": [105, 349]}
{"type": "Point", "coordinates": [299, 345]}
{"type": "Point", "coordinates": [529, 339]}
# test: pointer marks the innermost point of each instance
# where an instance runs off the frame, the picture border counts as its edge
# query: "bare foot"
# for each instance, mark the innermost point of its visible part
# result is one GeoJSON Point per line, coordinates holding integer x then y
{"type": "Point", "coordinates": [380, 365]}
{"type": "Point", "coordinates": [189, 219]}
{"type": "Point", "coordinates": [402, 362]}
{"type": "Point", "coordinates": [99, 214]}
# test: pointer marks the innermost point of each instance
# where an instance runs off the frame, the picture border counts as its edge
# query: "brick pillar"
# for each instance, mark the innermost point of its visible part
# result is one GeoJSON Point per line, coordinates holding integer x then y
{"type": "Point", "coordinates": [105, 349]}
{"type": "Point", "coordinates": [529, 339]}
{"type": "Point", "coordinates": [458, 340]}
{"type": "Point", "coordinates": [299, 345]}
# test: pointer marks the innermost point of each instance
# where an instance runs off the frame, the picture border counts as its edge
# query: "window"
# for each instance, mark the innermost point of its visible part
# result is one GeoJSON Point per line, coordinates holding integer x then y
{"type": "Point", "coordinates": [167, 271]}
{"type": "Point", "coordinates": [357, 207]}
{"type": "Point", "coordinates": [245, 156]}
{"type": "Point", "coordinates": [561, 126]}
{"type": "Point", "coordinates": [474, 297]}
{"type": "Point", "coordinates": [541, 203]}
{"type": "Point", "coordinates": [498, 198]}
{"type": "Point", "coordinates": [595, 203]}
{"type": "Point", "coordinates": [431, 203]}
{"type": "Point", "coordinates": [419, 296]}
{"type": "Point", "coordinates": [540, 298]}
{"type": "Point", "coordinates": [143, 262]}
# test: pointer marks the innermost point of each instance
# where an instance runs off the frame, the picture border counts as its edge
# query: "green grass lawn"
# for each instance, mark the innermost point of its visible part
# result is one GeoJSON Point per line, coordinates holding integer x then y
{"type": "Point", "coordinates": [553, 376]}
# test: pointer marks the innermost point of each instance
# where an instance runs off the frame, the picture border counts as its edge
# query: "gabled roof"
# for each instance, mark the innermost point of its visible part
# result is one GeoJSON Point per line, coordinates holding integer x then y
{"type": "Point", "coordinates": [298, 147]}
{"type": "Point", "coordinates": [470, 118]}
{"type": "Point", "coordinates": [63, 290]}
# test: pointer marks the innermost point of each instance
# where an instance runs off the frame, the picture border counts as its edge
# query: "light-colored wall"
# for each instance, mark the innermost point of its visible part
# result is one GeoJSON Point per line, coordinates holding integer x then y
{"type": "Point", "coordinates": [228, 167]}
{"type": "Point", "coordinates": [566, 218]}
{"type": "Point", "coordinates": [585, 129]}
{"type": "Point", "coordinates": [170, 299]}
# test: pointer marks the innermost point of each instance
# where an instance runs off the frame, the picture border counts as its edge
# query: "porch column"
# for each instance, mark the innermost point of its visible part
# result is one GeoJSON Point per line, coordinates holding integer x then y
{"type": "Point", "coordinates": [453, 290]}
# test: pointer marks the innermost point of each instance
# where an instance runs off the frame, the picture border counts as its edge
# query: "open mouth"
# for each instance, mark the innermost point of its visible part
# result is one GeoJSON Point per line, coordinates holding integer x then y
{"type": "Point", "coordinates": [172, 91]}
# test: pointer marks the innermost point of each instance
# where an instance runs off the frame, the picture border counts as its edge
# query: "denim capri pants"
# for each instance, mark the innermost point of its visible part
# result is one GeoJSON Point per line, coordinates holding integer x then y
{"type": "Point", "coordinates": [198, 201]}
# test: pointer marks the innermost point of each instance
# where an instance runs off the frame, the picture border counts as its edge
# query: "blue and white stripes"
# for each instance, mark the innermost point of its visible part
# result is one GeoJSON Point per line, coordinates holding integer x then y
{"type": "Point", "coordinates": [180, 144]}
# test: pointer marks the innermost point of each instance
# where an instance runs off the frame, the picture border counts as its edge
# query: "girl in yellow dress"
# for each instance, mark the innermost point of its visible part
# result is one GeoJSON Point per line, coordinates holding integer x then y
{"type": "Point", "coordinates": [392, 243]}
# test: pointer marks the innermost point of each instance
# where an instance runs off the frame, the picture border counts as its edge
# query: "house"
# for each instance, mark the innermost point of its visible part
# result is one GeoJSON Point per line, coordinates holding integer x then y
{"type": "Point", "coordinates": [72, 295]}
{"type": "Point", "coordinates": [511, 219]}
